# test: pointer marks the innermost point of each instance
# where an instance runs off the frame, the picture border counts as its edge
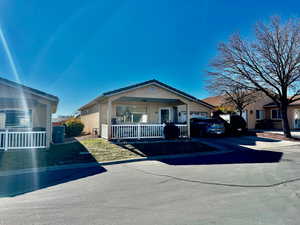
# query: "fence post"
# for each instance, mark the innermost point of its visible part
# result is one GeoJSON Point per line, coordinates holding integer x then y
{"type": "Point", "coordinates": [139, 131]}
{"type": "Point", "coordinates": [6, 140]}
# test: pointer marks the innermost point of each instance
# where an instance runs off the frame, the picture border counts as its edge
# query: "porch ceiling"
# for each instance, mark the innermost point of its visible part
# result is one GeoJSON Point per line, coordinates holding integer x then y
{"type": "Point", "coordinates": [146, 99]}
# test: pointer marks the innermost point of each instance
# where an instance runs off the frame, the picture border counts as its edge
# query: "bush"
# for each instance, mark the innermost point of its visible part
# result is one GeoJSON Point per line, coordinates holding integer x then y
{"type": "Point", "coordinates": [74, 127]}
{"type": "Point", "coordinates": [171, 131]}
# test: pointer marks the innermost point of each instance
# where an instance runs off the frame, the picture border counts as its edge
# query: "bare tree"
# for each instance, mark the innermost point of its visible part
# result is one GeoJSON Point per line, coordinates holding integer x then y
{"type": "Point", "coordinates": [240, 98]}
{"type": "Point", "coordinates": [269, 64]}
{"type": "Point", "coordinates": [234, 96]}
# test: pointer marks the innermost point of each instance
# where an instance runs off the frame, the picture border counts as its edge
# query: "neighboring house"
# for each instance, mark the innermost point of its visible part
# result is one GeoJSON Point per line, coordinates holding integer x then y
{"type": "Point", "coordinates": [60, 120]}
{"type": "Point", "coordinates": [25, 116]}
{"type": "Point", "coordinates": [264, 109]}
{"type": "Point", "coordinates": [140, 110]}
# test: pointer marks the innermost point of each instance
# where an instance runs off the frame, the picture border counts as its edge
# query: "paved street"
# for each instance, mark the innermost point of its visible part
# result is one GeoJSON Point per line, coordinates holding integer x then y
{"type": "Point", "coordinates": [242, 187]}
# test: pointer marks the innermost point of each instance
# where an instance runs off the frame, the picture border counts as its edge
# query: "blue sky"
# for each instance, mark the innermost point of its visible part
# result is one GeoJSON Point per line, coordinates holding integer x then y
{"type": "Point", "coordinates": [79, 49]}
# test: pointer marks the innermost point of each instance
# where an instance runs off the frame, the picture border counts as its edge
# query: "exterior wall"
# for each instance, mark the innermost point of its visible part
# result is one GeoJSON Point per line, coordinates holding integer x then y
{"type": "Point", "coordinates": [15, 98]}
{"type": "Point", "coordinates": [103, 113]}
{"type": "Point", "coordinates": [151, 91]}
{"type": "Point", "coordinates": [90, 118]}
{"type": "Point", "coordinates": [259, 105]}
{"type": "Point", "coordinates": [291, 116]}
{"type": "Point", "coordinates": [251, 110]}
{"type": "Point", "coordinates": [194, 107]}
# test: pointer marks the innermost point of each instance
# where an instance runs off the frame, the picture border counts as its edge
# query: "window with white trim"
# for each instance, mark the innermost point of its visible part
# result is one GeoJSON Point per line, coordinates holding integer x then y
{"type": "Point", "coordinates": [15, 118]}
{"type": "Point", "coordinates": [131, 114]}
{"type": "Point", "coordinates": [276, 114]}
{"type": "Point", "coordinates": [260, 114]}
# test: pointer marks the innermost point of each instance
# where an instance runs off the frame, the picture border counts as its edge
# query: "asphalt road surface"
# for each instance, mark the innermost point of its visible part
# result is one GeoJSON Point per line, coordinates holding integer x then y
{"type": "Point", "coordinates": [242, 187]}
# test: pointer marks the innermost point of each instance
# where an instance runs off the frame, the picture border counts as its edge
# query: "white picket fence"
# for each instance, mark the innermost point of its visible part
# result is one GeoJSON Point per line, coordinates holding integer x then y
{"type": "Point", "coordinates": [139, 131]}
{"type": "Point", "coordinates": [22, 139]}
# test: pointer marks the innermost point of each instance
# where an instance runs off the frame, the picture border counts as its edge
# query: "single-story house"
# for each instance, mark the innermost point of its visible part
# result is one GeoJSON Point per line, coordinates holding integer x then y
{"type": "Point", "coordinates": [140, 111]}
{"type": "Point", "coordinates": [264, 109]}
{"type": "Point", "coordinates": [25, 116]}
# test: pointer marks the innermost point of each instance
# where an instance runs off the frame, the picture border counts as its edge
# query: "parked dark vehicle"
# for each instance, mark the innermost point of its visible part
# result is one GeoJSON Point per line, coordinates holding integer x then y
{"type": "Point", "coordinates": [236, 126]}
{"type": "Point", "coordinates": [203, 127]}
{"type": "Point", "coordinates": [171, 131]}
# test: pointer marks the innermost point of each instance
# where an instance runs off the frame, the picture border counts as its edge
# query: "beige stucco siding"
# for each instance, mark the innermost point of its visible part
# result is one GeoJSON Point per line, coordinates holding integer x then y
{"type": "Point", "coordinates": [195, 107]}
{"type": "Point", "coordinates": [39, 116]}
{"type": "Point", "coordinates": [259, 105]}
{"type": "Point", "coordinates": [150, 91]}
{"type": "Point", "coordinates": [251, 110]}
{"type": "Point", "coordinates": [19, 100]}
{"type": "Point", "coordinates": [16, 93]}
{"type": "Point", "coordinates": [90, 119]}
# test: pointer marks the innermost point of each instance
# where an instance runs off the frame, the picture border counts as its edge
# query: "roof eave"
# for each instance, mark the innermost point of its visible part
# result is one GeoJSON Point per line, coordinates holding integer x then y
{"type": "Point", "coordinates": [30, 90]}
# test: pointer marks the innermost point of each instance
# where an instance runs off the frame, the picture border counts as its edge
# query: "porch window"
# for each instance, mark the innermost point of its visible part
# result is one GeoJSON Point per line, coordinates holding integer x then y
{"type": "Point", "coordinates": [199, 114]}
{"type": "Point", "coordinates": [276, 114]}
{"type": "Point", "coordinates": [260, 114]}
{"type": "Point", "coordinates": [15, 119]}
{"type": "Point", "coordinates": [131, 114]}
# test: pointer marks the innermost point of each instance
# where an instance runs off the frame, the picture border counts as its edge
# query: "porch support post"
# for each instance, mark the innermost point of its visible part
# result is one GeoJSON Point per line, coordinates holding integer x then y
{"type": "Point", "coordinates": [109, 112]}
{"type": "Point", "coordinates": [188, 119]}
{"type": "Point", "coordinates": [48, 126]}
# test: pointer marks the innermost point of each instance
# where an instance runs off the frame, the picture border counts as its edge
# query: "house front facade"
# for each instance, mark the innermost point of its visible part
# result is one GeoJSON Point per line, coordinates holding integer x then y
{"type": "Point", "coordinates": [140, 111]}
{"type": "Point", "coordinates": [264, 113]}
{"type": "Point", "coordinates": [25, 116]}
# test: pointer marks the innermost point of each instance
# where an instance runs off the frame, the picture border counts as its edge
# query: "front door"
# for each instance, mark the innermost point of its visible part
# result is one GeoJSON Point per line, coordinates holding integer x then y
{"type": "Point", "coordinates": [165, 115]}
{"type": "Point", "coordinates": [297, 118]}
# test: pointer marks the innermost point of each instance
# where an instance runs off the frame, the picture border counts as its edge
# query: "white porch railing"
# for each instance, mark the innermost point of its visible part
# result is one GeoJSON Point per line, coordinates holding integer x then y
{"type": "Point", "coordinates": [22, 139]}
{"type": "Point", "coordinates": [139, 131]}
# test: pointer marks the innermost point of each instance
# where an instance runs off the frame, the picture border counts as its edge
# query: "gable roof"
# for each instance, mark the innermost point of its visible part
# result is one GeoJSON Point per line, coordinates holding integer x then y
{"type": "Point", "coordinates": [215, 100]}
{"type": "Point", "coordinates": [138, 85]}
{"type": "Point", "coordinates": [273, 104]}
{"type": "Point", "coordinates": [29, 89]}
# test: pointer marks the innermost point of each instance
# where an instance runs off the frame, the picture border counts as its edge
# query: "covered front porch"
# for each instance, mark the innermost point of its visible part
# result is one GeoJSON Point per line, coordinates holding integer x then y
{"type": "Point", "coordinates": [24, 124]}
{"type": "Point", "coordinates": [143, 117]}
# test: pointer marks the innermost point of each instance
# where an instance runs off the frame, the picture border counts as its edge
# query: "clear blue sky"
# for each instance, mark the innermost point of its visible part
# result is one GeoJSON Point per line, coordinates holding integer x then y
{"type": "Point", "coordinates": [78, 49]}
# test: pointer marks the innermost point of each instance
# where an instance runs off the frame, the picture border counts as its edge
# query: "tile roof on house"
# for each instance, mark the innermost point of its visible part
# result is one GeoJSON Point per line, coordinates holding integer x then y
{"type": "Point", "coordinates": [109, 93]}
{"type": "Point", "coordinates": [215, 100]}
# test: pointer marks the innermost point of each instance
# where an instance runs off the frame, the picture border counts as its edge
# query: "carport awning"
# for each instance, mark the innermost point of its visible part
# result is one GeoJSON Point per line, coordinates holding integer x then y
{"type": "Point", "coordinates": [145, 99]}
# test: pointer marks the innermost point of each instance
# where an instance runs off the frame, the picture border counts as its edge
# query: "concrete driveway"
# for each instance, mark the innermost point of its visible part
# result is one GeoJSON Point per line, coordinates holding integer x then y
{"type": "Point", "coordinates": [295, 134]}
{"type": "Point", "coordinates": [248, 142]}
{"type": "Point", "coordinates": [241, 187]}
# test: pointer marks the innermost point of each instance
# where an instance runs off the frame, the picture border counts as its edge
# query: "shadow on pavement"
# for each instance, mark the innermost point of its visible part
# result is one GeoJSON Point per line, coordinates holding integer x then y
{"type": "Point", "coordinates": [240, 140]}
{"type": "Point", "coordinates": [60, 154]}
{"type": "Point", "coordinates": [14, 185]}
{"type": "Point", "coordinates": [237, 157]}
